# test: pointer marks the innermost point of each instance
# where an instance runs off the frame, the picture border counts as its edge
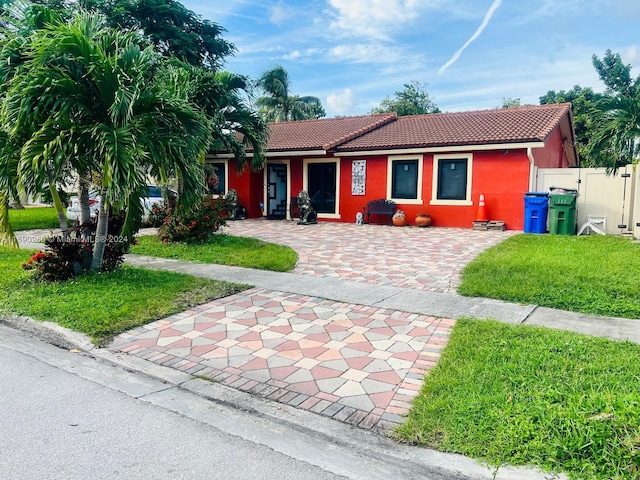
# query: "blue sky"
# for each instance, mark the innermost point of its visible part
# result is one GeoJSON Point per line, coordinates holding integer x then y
{"type": "Point", "coordinates": [472, 53]}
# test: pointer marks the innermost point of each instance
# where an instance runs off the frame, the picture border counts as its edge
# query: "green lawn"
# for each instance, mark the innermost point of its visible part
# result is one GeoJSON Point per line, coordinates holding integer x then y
{"type": "Point", "coordinates": [33, 218]}
{"type": "Point", "coordinates": [103, 305]}
{"type": "Point", "coordinates": [223, 250]}
{"type": "Point", "coordinates": [591, 274]}
{"type": "Point", "coordinates": [523, 395]}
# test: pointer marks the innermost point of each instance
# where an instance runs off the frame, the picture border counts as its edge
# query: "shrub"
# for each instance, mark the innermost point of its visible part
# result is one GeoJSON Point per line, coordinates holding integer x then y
{"type": "Point", "coordinates": [196, 224]}
{"type": "Point", "coordinates": [159, 212]}
{"type": "Point", "coordinates": [67, 258]}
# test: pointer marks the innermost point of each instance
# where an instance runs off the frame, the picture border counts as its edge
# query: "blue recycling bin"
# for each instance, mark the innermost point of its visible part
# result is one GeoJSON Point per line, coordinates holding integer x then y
{"type": "Point", "coordinates": [536, 208]}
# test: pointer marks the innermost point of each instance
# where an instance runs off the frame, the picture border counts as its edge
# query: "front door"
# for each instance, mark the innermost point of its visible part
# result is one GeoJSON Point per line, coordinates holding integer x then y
{"type": "Point", "coordinates": [322, 186]}
{"type": "Point", "coordinates": [276, 190]}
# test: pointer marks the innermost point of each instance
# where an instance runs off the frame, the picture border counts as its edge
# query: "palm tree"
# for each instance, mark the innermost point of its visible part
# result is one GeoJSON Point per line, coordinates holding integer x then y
{"type": "Point", "coordinates": [87, 101]}
{"type": "Point", "coordinates": [279, 105]}
{"type": "Point", "coordinates": [223, 97]}
{"type": "Point", "coordinates": [616, 141]}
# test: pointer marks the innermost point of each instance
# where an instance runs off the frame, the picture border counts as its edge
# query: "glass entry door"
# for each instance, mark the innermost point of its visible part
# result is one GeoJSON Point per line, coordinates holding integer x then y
{"type": "Point", "coordinates": [276, 190]}
{"type": "Point", "coordinates": [322, 186]}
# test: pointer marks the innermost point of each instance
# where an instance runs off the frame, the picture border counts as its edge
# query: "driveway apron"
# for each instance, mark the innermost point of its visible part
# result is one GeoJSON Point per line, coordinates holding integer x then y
{"type": "Point", "coordinates": [356, 363]}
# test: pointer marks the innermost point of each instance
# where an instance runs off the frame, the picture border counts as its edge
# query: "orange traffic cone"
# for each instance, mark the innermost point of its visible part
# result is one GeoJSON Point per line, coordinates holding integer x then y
{"type": "Point", "coordinates": [482, 210]}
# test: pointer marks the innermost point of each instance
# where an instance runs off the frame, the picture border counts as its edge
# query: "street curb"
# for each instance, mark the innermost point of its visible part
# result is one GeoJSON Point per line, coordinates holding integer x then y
{"type": "Point", "coordinates": [49, 332]}
{"type": "Point", "coordinates": [437, 465]}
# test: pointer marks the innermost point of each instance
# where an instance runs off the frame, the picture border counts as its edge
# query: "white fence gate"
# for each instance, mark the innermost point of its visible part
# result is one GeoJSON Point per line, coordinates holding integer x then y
{"type": "Point", "coordinates": [615, 197]}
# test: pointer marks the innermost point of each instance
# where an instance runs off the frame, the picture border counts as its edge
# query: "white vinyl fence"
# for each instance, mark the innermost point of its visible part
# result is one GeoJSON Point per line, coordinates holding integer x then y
{"type": "Point", "coordinates": [615, 197]}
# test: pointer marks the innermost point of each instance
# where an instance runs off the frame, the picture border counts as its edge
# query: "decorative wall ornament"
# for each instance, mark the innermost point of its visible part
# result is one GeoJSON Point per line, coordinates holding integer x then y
{"type": "Point", "coordinates": [358, 177]}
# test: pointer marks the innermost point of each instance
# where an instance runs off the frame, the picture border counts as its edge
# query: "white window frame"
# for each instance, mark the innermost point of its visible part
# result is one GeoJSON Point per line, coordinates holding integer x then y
{"type": "Point", "coordinates": [305, 182]}
{"type": "Point", "coordinates": [436, 171]}
{"type": "Point", "coordinates": [405, 201]}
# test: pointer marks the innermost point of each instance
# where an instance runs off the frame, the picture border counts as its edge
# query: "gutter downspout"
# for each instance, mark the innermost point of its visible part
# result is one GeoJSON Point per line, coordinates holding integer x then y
{"type": "Point", "coordinates": [532, 185]}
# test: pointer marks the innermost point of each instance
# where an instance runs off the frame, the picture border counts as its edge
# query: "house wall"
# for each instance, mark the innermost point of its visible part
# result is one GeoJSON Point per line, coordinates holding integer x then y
{"type": "Point", "coordinates": [503, 178]}
{"type": "Point", "coordinates": [553, 154]}
{"type": "Point", "coordinates": [249, 186]}
{"type": "Point", "coordinates": [501, 175]}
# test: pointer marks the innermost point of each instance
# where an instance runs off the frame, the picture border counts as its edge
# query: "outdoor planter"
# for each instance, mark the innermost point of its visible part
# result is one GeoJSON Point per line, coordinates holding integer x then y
{"type": "Point", "coordinates": [399, 220]}
{"type": "Point", "coordinates": [423, 220]}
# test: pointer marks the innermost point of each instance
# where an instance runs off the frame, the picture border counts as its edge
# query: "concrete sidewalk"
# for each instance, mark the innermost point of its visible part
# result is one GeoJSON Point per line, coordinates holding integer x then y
{"type": "Point", "coordinates": [447, 305]}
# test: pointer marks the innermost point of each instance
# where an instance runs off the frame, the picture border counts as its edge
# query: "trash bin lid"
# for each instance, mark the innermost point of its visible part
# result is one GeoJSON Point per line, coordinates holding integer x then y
{"type": "Point", "coordinates": [566, 191]}
{"type": "Point", "coordinates": [536, 194]}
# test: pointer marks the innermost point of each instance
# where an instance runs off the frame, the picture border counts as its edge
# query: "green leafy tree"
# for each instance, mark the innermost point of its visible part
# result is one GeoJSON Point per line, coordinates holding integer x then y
{"type": "Point", "coordinates": [616, 75]}
{"type": "Point", "coordinates": [279, 105]}
{"type": "Point", "coordinates": [412, 100]}
{"type": "Point", "coordinates": [616, 141]}
{"type": "Point", "coordinates": [616, 138]}
{"type": "Point", "coordinates": [167, 24]}
{"type": "Point", "coordinates": [508, 102]}
{"type": "Point", "coordinates": [586, 116]}
{"type": "Point", "coordinates": [85, 99]}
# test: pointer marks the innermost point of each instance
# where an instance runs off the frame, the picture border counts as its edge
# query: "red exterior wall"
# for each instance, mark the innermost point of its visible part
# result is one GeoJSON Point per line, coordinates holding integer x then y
{"type": "Point", "coordinates": [249, 186]}
{"type": "Point", "coordinates": [376, 187]}
{"type": "Point", "coordinates": [553, 154]}
{"type": "Point", "coordinates": [503, 178]}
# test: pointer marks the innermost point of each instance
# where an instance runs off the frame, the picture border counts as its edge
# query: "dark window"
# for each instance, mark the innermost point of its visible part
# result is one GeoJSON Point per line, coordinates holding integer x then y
{"type": "Point", "coordinates": [322, 186]}
{"type": "Point", "coordinates": [153, 191]}
{"type": "Point", "coordinates": [404, 179]}
{"type": "Point", "coordinates": [452, 179]}
{"type": "Point", "coordinates": [216, 180]}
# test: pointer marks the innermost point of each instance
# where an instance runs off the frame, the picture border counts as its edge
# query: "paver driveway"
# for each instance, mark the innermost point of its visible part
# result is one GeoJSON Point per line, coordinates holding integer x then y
{"type": "Point", "coordinates": [353, 362]}
{"type": "Point", "coordinates": [419, 258]}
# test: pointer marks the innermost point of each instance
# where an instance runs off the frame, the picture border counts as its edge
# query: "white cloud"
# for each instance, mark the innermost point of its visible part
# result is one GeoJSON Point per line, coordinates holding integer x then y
{"type": "Point", "coordinates": [373, 18]}
{"type": "Point", "coordinates": [278, 14]}
{"type": "Point", "coordinates": [632, 55]}
{"type": "Point", "coordinates": [293, 55]}
{"type": "Point", "coordinates": [373, 53]}
{"type": "Point", "coordinates": [340, 102]}
{"type": "Point", "coordinates": [487, 18]}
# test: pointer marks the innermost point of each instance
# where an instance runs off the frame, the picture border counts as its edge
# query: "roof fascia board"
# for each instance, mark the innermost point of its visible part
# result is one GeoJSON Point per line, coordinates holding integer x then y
{"type": "Point", "coordinates": [455, 148]}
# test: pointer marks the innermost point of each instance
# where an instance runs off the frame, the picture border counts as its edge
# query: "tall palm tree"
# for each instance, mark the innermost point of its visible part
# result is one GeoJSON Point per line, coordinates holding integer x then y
{"type": "Point", "coordinates": [279, 105]}
{"type": "Point", "coordinates": [616, 141]}
{"type": "Point", "coordinates": [87, 100]}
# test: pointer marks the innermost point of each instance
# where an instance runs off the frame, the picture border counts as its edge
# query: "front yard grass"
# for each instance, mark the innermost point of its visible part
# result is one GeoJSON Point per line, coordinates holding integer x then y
{"type": "Point", "coordinates": [524, 395]}
{"type": "Point", "coordinates": [31, 218]}
{"type": "Point", "coordinates": [223, 250]}
{"type": "Point", "coordinates": [590, 274]}
{"type": "Point", "coordinates": [105, 304]}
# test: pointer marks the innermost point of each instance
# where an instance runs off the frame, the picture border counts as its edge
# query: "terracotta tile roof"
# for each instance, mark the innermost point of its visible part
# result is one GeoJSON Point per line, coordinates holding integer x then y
{"type": "Point", "coordinates": [512, 125]}
{"type": "Point", "coordinates": [323, 134]}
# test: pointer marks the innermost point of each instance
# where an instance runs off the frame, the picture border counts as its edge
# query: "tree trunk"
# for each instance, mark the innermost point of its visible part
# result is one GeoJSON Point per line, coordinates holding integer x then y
{"type": "Point", "coordinates": [7, 237]}
{"type": "Point", "coordinates": [57, 203]}
{"type": "Point", "coordinates": [85, 212]}
{"type": "Point", "coordinates": [101, 235]}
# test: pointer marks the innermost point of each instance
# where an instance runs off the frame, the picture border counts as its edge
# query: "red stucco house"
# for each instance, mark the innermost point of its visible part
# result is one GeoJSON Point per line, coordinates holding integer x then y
{"type": "Point", "coordinates": [437, 164]}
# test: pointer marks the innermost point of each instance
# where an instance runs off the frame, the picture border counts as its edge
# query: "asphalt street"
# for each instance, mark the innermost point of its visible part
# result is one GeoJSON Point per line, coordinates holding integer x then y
{"type": "Point", "coordinates": [57, 425]}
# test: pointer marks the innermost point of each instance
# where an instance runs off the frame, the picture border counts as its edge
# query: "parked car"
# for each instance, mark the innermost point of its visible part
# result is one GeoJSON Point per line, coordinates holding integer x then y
{"type": "Point", "coordinates": [73, 210]}
{"type": "Point", "coordinates": [154, 195]}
